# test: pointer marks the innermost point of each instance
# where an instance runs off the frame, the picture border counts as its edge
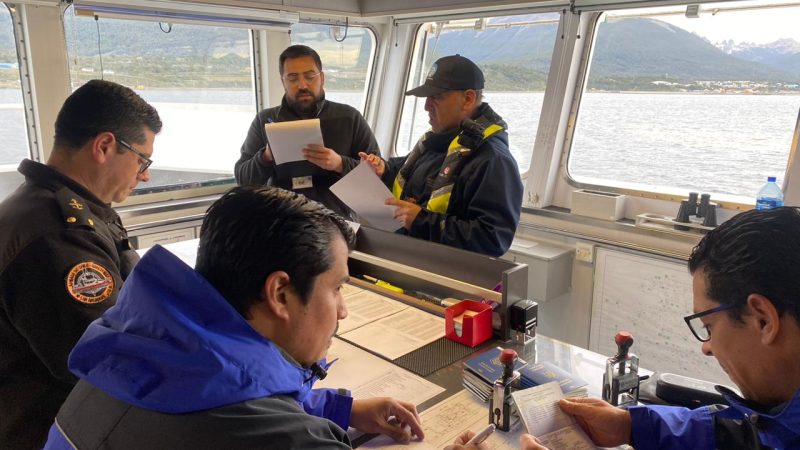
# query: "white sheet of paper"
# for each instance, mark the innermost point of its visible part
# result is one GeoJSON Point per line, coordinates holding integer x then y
{"type": "Point", "coordinates": [398, 334]}
{"type": "Point", "coordinates": [446, 420]}
{"type": "Point", "coordinates": [539, 410]}
{"type": "Point", "coordinates": [366, 307]}
{"type": "Point", "coordinates": [363, 192]}
{"type": "Point", "coordinates": [287, 139]}
{"type": "Point", "coordinates": [186, 251]}
{"type": "Point", "coordinates": [368, 376]}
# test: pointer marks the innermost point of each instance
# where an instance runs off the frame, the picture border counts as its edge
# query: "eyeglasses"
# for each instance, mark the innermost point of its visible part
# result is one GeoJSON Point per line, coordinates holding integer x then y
{"type": "Point", "coordinates": [144, 162]}
{"type": "Point", "coordinates": [294, 78]}
{"type": "Point", "coordinates": [699, 329]}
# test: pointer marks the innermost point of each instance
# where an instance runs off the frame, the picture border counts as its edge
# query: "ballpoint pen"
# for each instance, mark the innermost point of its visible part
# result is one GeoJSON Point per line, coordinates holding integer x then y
{"type": "Point", "coordinates": [481, 435]}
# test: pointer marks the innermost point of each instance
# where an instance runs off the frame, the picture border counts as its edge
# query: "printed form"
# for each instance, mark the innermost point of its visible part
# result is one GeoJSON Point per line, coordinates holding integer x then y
{"type": "Point", "coordinates": [368, 376]}
{"type": "Point", "coordinates": [364, 307]}
{"type": "Point", "coordinates": [446, 420]}
{"type": "Point", "coordinates": [398, 334]}
{"type": "Point", "coordinates": [539, 411]}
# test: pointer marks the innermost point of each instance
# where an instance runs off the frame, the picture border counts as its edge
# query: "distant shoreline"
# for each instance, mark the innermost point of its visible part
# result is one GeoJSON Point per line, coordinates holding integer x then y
{"type": "Point", "coordinates": [359, 91]}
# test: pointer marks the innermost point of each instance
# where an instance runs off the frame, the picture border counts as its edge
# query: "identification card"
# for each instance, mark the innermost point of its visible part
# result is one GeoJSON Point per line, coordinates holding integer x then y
{"type": "Point", "coordinates": [302, 182]}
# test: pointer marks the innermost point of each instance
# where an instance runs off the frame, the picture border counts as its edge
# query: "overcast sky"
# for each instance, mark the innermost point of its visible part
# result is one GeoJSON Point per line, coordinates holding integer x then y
{"type": "Point", "coordinates": [752, 26]}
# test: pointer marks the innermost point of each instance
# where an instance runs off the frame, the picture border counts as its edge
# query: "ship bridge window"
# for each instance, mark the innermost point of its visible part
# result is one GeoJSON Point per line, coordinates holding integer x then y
{"type": "Point", "coordinates": [678, 101]}
{"type": "Point", "coordinates": [347, 53]}
{"type": "Point", "coordinates": [13, 133]}
{"type": "Point", "coordinates": [198, 77]}
{"type": "Point", "coordinates": [514, 53]}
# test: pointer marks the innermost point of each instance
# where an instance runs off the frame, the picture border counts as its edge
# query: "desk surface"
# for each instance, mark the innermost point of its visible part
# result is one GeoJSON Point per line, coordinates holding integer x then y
{"type": "Point", "coordinates": [580, 362]}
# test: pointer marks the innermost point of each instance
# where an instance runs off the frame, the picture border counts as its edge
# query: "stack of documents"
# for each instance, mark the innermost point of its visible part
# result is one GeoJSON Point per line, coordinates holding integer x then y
{"type": "Point", "coordinates": [480, 373]}
{"type": "Point", "coordinates": [385, 326]}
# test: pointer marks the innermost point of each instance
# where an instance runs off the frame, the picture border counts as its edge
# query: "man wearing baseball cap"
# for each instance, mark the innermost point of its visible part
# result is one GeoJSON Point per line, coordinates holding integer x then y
{"type": "Point", "coordinates": [459, 186]}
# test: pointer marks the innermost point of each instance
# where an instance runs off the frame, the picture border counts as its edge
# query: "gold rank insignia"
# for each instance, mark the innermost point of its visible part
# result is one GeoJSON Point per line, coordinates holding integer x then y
{"type": "Point", "coordinates": [75, 204]}
{"type": "Point", "coordinates": [89, 283]}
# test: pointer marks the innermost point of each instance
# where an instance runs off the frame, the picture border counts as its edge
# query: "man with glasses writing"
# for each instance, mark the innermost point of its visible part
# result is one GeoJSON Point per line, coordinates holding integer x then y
{"type": "Point", "coordinates": [344, 131]}
{"type": "Point", "coordinates": [746, 289]}
{"type": "Point", "coordinates": [65, 252]}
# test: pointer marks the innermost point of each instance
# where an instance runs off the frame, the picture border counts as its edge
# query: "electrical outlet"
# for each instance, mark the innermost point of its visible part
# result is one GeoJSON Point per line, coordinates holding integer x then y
{"type": "Point", "coordinates": [584, 252]}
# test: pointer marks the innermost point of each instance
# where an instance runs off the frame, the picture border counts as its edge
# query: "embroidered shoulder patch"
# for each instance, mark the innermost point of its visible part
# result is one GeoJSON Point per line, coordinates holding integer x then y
{"type": "Point", "coordinates": [89, 283]}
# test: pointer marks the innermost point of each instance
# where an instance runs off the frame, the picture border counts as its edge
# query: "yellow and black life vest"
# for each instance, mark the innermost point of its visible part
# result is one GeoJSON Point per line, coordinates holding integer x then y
{"type": "Point", "coordinates": [473, 134]}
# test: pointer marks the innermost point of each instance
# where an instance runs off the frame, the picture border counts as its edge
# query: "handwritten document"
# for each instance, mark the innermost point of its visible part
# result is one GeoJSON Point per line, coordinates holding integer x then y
{"type": "Point", "coordinates": [287, 139]}
{"type": "Point", "coordinates": [363, 192]}
{"type": "Point", "coordinates": [368, 376]}
{"type": "Point", "coordinates": [446, 420]}
{"type": "Point", "coordinates": [539, 411]}
{"type": "Point", "coordinates": [398, 334]}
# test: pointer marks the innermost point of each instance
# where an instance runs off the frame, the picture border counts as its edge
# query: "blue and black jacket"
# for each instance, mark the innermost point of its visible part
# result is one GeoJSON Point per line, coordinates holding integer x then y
{"type": "Point", "coordinates": [173, 365]}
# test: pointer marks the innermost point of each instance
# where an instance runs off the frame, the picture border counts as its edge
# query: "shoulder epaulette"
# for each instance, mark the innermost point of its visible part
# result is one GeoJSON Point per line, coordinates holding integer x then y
{"type": "Point", "coordinates": [74, 209]}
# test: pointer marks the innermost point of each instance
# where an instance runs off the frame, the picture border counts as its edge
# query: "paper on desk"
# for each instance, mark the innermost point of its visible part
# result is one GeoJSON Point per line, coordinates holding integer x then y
{"type": "Point", "coordinates": [363, 192]}
{"type": "Point", "coordinates": [538, 408]}
{"type": "Point", "coordinates": [287, 139]}
{"type": "Point", "coordinates": [398, 334]}
{"type": "Point", "coordinates": [368, 376]}
{"type": "Point", "coordinates": [445, 421]}
{"type": "Point", "coordinates": [365, 307]}
{"type": "Point", "coordinates": [349, 289]}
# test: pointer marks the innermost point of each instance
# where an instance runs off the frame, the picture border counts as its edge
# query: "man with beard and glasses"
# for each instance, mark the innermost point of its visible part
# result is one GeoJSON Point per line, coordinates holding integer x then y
{"type": "Point", "coordinates": [344, 131]}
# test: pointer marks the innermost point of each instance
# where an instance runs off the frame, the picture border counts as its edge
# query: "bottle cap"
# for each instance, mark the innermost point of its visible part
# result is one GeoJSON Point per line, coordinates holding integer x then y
{"type": "Point", "coordinates": [771, 179]}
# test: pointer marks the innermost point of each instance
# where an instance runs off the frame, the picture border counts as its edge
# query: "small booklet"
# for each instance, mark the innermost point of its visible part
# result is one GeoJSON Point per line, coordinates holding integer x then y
{"type": "Point", "coordinates": [543, 372]}
{"type": "Point", "coordinates": [487, 365]}
{"type": "Point", "coordinates": [538, 408]}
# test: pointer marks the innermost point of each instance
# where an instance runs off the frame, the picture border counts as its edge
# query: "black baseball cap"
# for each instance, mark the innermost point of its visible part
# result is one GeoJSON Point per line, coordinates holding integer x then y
{"type": "Point", "coordinates": [451, 73]}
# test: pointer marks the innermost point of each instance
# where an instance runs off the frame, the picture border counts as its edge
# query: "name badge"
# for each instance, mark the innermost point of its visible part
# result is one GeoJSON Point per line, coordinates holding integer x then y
{"type": "Point", "coordinates": [302, 182]}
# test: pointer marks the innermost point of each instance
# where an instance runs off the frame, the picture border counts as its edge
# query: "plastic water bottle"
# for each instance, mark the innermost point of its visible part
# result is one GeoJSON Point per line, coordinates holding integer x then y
{"type": "Point", "coordinates": [769, 196]}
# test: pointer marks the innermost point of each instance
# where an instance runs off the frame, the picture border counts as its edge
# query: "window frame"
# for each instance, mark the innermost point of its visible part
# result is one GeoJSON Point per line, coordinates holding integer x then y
{"type": "Point", "coordinates": [32, 130]}
{"type": "Point", "coordinates": [144, 196]}
{"type": "Point", "coordinates": [724, 201]}
{"type": "Point", "coordinates": [414, 56]}
{"type": "Point", "coordinates": [372, 65]}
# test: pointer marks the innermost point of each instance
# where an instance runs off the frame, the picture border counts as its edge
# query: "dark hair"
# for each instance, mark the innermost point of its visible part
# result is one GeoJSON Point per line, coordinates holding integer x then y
{"type": "Point", "coordinates": [755, 252]}
{"type": "Point", "coordinates": [298, 51]}
{"type": "Point", "coordinates": [102, 106]}
{"type": "Point", "coordinates": [251, 232]}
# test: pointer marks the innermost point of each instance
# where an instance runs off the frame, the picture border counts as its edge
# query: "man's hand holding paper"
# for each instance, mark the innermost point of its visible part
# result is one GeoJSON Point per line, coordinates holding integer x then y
{"type": "Point", "coordinates": [324, 157]}
{"type": "Point", "coordinates": [363, 192]}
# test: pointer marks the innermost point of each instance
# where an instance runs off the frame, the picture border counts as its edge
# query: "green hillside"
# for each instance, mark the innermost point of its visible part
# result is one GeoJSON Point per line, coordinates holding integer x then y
{"type": "Point", "coordinates": [629, 54]}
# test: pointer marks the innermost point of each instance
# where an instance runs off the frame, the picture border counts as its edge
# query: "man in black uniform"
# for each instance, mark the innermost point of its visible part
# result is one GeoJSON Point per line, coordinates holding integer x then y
{"type": "Point", "coordinates": [64, 250]}
{"type": "Point", "coordinates": [459, 186]}
{"type": "Point", "coordinates": [344, 131]}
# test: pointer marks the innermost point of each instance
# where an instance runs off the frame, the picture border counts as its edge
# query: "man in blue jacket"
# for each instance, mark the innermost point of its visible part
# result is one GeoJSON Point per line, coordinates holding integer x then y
{"type": "Point", "coordinates": [459, 186]}
{"type": "Point", "coordinates": [746, 289]}
{"type": "Point", "coordinates": [225, 356]}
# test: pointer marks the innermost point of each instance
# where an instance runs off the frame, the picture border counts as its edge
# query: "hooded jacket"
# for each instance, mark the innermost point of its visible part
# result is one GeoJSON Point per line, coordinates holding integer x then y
{"type": "Point", "coordinates": [173, 365]}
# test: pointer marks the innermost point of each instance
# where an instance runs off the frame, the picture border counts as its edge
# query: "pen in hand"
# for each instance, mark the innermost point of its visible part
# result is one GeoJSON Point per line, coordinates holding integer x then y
{"type": "Point", "coordinates": [481, 435]}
